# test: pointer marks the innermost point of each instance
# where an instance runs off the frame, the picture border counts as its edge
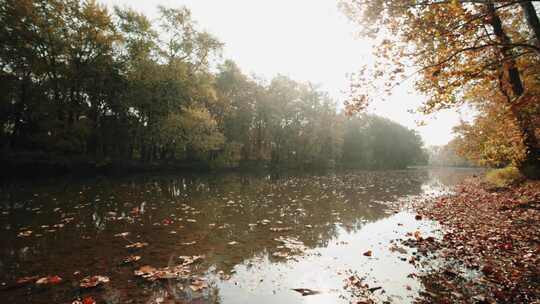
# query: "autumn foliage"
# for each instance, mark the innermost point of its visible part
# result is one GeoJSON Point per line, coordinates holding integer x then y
{"type": "Point", "coordinates": [482, 53]}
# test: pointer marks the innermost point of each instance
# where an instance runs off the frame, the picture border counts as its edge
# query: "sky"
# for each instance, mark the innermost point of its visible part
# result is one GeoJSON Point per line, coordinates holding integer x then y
{"type": "Point", "coordinates": [306, 40]}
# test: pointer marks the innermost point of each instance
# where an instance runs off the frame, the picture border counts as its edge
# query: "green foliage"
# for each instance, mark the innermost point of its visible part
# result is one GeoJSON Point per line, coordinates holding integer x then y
{"type": "Point", "coordinates": [79, 80]}
{"type": "Point", "coordinates": [229, 157]}
{"type": "Point", "coordinates": [375, 142]}
{"type": "Point", "coordinates": [504, 177]}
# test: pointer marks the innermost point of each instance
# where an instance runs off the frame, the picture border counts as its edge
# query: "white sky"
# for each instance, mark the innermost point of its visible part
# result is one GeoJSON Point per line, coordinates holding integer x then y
{"type": "Point", "coordinates": [306, 40]}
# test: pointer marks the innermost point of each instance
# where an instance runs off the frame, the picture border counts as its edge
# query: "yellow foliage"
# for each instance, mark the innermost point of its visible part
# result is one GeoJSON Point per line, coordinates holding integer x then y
{"type": "Point", "coordinates": [503, 177]}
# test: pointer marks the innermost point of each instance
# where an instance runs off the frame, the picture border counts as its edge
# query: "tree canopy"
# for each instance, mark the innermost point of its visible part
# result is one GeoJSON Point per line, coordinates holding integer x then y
{"type": "Point", "coordinates": [78, 80]}
{"type": "Point", "coordinates": [484, 53]}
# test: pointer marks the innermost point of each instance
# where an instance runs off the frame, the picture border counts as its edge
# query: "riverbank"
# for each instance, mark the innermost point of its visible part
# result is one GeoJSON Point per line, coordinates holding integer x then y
{"type": "Point", "coordinates": [490, 250]}
{"type": "Point", "coordinates": [43, 165]}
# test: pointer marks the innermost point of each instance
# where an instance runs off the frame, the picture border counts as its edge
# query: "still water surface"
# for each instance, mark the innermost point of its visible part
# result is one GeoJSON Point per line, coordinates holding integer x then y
{"type": "Point", "coordinates": [261, 235]}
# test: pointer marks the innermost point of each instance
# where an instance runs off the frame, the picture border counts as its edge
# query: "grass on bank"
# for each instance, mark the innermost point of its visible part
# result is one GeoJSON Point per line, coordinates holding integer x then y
{"type": "Point", "coordinates": [504, 177]}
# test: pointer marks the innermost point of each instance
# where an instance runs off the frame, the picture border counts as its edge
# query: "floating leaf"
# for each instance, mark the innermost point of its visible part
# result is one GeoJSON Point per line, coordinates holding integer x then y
{"type": "Point", "coordinates": [188, 260]}
{"type": "Point", "coordinates": [26, 280]}
{"type": "Point", "coordinates": [25, 233]}
{"type": "Point", "coordinates": [49, 280]}
{"type": "Point", "coordinates": [93, 281]}
{"type": "Point", "coordinates": [131, 259]}
{"type": "Point", "coordinates": [280, 229]}
{"type": "Point", "coordinates": [306, 291]}
{"type": "Point", "coordinates": [151, 273]}
{"type": "Point", "coordinates": [137, 245]}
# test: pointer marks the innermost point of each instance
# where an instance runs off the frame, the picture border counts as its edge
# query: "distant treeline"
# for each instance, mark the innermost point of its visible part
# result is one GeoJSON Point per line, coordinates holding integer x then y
{"type": "Point", "coordinates": [448, 156]}
{"type": "Point", "coordinates": [80, 82]}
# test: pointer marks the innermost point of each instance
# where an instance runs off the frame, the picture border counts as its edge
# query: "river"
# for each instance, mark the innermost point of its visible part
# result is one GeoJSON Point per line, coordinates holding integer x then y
{"type": "Point", "coordinates": [240, 238]}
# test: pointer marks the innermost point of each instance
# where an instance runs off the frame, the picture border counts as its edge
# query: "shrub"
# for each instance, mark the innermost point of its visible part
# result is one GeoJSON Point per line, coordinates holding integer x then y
{"type": "Point", "coordinates": [504, 177]}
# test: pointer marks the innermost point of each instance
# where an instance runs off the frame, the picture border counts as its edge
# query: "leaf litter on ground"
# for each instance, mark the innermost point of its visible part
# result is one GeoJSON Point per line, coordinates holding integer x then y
{"type": "Point", "coordinates": [490, 245]}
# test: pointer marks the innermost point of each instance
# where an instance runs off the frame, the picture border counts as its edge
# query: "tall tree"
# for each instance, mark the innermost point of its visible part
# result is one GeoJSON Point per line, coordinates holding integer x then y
{"type": "Point", "coordinates": [453, 49]}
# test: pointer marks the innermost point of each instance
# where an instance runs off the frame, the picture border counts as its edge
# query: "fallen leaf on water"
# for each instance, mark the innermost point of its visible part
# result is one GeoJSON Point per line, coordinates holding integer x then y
{"type": "Point", "coordinates": [151, 273]}
{"type": "Point", "coordinates": [88, 300]}
{"type": "Point", "coordinates": [144, 270]}
{"type": "Point", "coordinates": [93, 281]}
{"type": "Point", "coordinates": [368, 253]}
{"type": "Point", "coordinates": [123, 234]}
{"type": "Point", "coordinates": [131, 259]}
{"type": "Point", "coordinates": [25, 280]}
{"type": "Point", "coordinates": [137, 245]}
{"type": "Point", "coordinates": [188, 260]}
{"type": "Point", "coordinates": [49, 280]}
{"type": "Point", "coordinates": [25, 233]}
{"type": "Point", "coordinates": [233, 243]}
{"type": "Point", "coordinates": [306, 291]}
{"type": "Point", "coordinates": [280, 229]}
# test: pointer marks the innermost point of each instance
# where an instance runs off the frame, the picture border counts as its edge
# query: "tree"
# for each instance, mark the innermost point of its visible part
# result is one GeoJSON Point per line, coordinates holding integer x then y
{"type": "Point", "coordinates": [376, 142]}
{"type": "Point", "coordinates": [490, 140]}
{"type": "Point", "coordinates": [193, 133]}
{"type": "Point", "coordinates": [80, 82]}
{"type": "Point", "coordinates": [449, 155]}
{"type": "Point", "coordinates": [456, 48]}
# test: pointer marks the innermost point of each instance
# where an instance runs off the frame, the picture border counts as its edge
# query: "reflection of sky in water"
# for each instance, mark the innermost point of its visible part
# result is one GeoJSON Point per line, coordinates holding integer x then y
{"type": "Point", "coordinates": [337, 217]}
{"type": "Point", "coordinates": [324, 269]}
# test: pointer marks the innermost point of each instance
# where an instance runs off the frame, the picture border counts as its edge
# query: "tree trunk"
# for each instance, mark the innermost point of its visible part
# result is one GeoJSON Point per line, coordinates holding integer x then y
{"type": "Point", "coordinates": [530, 167]}
{"type": "Point", "coordinates": [532, 20]}
{"type": "Point", "coordinates": [508, 59]}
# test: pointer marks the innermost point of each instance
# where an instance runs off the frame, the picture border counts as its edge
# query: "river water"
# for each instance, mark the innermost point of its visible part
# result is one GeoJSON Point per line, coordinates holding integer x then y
{"type": "Point", "coordinates": [260, 236]}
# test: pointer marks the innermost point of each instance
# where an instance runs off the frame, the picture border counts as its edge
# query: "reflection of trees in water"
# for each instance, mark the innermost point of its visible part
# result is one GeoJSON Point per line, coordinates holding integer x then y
{"type": "Point", "coordinates": [452, 176]}
{"type": "Point", "coordinates": [310, 205]}
{"type": "Point", "coordinates": [315, 207]}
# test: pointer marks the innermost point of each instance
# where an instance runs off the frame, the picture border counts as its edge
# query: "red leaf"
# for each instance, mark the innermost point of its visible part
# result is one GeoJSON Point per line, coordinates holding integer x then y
{"type": "Point", "coordinates": [89, 300]}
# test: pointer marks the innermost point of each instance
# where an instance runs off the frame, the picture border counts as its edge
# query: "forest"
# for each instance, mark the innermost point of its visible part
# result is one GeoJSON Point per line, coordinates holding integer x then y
{"type": "Point", "coordinates": [81, 82]}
